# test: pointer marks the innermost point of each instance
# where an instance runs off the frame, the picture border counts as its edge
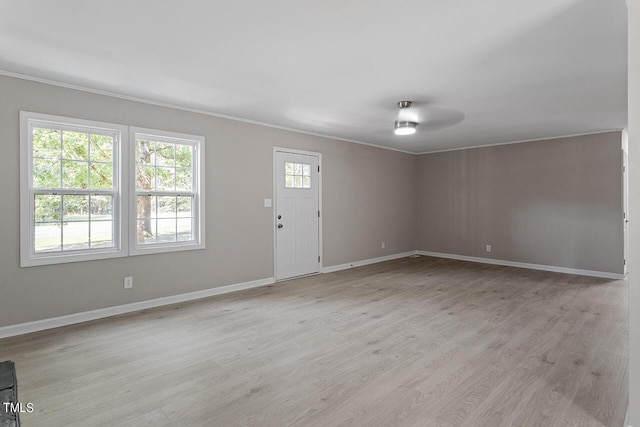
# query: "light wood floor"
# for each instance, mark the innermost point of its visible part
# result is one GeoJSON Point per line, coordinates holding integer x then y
{"type": "Point", "coordinates": [415, 342]}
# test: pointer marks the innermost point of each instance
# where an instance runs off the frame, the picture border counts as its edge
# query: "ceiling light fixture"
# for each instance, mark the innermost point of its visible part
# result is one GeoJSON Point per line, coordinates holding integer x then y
{"type": "Point", "coordinates": [401, 127]}
{"type": "Point", "coordinates": [404, 128]}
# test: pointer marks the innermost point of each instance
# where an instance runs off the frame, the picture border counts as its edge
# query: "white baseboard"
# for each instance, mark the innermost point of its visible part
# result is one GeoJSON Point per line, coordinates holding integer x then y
{"type": "Point", "coordinates": [55, 322]}
{"type": "Point", "coordinates": [553, 268]}
{"type": "Point", "coordinates": [339, 267]}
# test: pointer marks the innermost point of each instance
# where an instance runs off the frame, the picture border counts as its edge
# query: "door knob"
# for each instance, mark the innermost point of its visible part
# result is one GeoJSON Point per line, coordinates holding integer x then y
{"type": "Point", "coordinates": [280, 225]}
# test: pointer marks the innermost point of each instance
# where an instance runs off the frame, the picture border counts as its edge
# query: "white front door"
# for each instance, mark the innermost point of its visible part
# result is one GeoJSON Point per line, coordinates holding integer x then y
{"type": "Point", "coordinates": [297, 215]}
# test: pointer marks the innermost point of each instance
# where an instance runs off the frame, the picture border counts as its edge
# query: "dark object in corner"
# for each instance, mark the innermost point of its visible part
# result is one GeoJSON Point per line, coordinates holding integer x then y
{"type": "Point", "coordinates": [8, 394]}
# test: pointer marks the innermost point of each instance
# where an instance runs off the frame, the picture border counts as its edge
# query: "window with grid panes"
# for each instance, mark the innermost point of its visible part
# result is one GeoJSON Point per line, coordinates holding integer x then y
{"type": "Point", "coordinates": [167, 191]}
{"type": "Point", "coordinates": [71, 198]}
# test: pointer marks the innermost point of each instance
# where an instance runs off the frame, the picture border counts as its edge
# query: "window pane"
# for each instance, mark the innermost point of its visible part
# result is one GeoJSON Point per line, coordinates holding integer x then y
{"type": "Point", "coordinates": [101, 175]}
{"type": "Point", "coordinates": [146, 206]}
{"type": "Point", "coordinates": [48, 208]}
{"type": "Point", "coordinates": [165, 179]}
{"type": "Point", "coordinates": [75, 208]}
{"type": "Point", "coordinates": [145, 178]}
{"type": "Point", "coordinates": [102, 234]}
{"type": "Point", "coordinates": [306, 182]}
{"type": "Point", "coordinates": [101, 148]}
{"type": "Point", "coordinates": [165, 154]}
{"type": "Point", "coordinates": [146, 225]}
{"type": "Point", "coordinates": [74, 174]}
{"type": "Point", "coordinates": [306, 170]}
{"type": "Point", "coordinates": [101, 221]}
{"type": "Point", "coordinates": [101, 208]}
{"type": "Point", "coordinates": [46, 143]}
{"type": "Point", "coordinates": [184, 229]}
{"type": "Point", "coordinates": [47, 237]}
{"type": "Point", "coordinates": [297, 168]}
{"type": "Point", "coordinates": [145, 152]}
{"type": "Point", "coordinates": [184, 156]}
{"type": "Point", "coordinates": [167, 207]}
{"type": "Point", "coordinates": [183, 179]}
{"type": "Point", "coordinates": [46, 173]}
{"type": "Point", "coordinates": [184, 207]}
{"type": "Point", "coordinates": [75, 235]}
{"type": "Point", "coordinates": [166, 230]}
{"type": "Point", "coordinates": [288, 181]}
{"type": "Point", "coordinates": [146, 231]}
{"type": "Point", "coordinates": [75, 145]}
{"type": "Point", "coordinates": [288, 168]}
{"type": "Point", "coordinates": [298, 182]}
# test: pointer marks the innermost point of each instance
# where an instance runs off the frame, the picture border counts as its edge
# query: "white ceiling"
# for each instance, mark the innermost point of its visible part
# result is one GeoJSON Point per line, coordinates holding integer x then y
{"type": "Point", "coordinates": [481, 72]}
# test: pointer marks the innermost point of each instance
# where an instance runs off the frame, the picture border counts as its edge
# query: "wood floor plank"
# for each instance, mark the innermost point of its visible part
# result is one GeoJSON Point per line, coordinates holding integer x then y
{"type": "Point", "coordinates": [411, 342]}
{"type": "Point", "coordinates": [592, 404]}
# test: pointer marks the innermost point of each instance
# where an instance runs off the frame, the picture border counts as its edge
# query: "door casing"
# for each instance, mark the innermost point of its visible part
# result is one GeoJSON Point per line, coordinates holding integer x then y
{"type": "Point", "coordinates": [625, 198]}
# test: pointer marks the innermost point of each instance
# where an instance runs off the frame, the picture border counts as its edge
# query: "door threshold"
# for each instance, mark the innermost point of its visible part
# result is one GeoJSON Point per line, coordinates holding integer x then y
{"type": "Point", "coordinates": [297, 277]}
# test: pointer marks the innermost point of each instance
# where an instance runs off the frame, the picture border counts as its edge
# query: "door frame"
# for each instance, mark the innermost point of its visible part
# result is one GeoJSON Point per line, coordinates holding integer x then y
{"type": "Point", "coordinates": [625, 199]}
{"type": "Point", "coordinates": [275, 206]}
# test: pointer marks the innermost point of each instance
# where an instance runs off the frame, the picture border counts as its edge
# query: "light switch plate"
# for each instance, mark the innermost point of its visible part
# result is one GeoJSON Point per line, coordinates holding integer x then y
{"type": "Point", "coordinates": [267, 203]}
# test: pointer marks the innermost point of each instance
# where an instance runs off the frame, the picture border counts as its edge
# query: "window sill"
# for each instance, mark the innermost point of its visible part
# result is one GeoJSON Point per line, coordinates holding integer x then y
{"type": "Point", "coordinates": [159, 249]}
{"type": "Point", "coordinates": [62, 258]}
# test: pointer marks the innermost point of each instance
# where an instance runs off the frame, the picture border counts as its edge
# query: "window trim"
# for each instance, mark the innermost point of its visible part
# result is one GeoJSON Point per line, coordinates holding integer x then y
{"type": "Point", "coordinates": [198, 191]}
{"type": "Point", "coordinates": [28, 257]}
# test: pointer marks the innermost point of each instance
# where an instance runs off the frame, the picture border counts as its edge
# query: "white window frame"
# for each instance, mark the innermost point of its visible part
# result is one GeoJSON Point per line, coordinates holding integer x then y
{"type": "Point", "coordinates": [28, 257]}
{"type": "Point", "coordinates": [198, 206]}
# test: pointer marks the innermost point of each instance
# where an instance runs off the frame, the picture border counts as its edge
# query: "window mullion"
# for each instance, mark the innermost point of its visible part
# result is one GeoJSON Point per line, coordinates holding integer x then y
{"type": "Point", "coordinates": [165, 193]}
{"type": "Point", "coordinates": [73, 191]}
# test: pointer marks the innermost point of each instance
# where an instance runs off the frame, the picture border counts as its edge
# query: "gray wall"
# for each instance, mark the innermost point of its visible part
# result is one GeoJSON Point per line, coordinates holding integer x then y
{"type": "Point", "coordinates": [368, 196]}
{"type": "Point", "coordinates": [555, 202]}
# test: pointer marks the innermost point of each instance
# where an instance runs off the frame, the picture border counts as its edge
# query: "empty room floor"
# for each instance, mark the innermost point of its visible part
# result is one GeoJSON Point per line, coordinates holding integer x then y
{"type": "Point", "coordinates": [416, 342]}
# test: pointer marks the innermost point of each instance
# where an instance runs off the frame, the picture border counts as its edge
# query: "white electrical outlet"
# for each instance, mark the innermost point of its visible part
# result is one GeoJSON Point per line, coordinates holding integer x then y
{"type": "Point", "coordinates": [488, 248]}
{"type": "Point", "coordinates": [383, 245]}
{"type": "Point", "coordinates": [128, 282]}
{"type": "Point", "coordinates": [267, 203]}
